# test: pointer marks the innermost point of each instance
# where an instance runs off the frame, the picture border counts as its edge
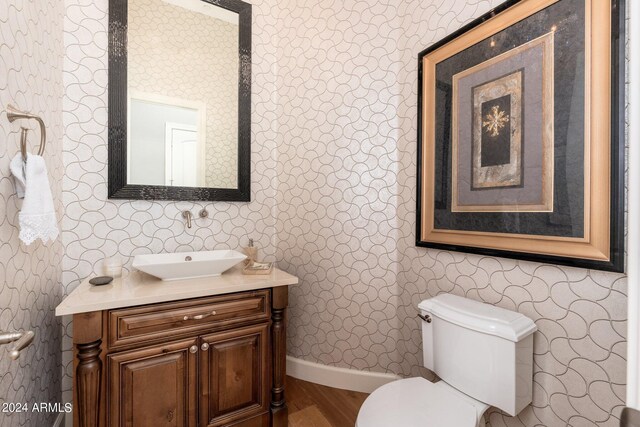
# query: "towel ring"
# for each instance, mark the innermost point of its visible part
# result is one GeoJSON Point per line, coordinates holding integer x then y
{"type": "Point", "coordinates": [14, 114]}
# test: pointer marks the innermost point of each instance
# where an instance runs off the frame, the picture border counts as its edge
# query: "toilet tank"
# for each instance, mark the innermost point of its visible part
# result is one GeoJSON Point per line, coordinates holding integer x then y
{"type": "Point", "coordinates": [481, 350]}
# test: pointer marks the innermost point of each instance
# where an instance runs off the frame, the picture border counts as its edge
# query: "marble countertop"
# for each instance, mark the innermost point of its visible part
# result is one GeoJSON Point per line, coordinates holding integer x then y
{"type": "Point", "coordinates": [138, 288]}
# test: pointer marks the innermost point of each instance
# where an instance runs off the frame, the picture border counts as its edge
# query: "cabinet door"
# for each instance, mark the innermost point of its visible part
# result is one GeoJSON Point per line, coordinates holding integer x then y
{"type": "Point", "coordinates": [234, 379]}
{"type": "Point", "coordinates": [154, 386]}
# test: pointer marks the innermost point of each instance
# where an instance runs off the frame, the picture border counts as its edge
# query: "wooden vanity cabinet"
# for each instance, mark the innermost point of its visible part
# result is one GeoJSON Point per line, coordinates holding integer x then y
{"type": "Point", "coordinates": [233, 372]}
{"type": "Point", "coordinates": [206, 362]}
{"type": "Point", "coordinates": [153, 386]}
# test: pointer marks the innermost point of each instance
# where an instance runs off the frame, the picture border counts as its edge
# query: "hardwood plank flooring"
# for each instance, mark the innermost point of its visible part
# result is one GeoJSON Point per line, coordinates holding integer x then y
{"type": "Point", "coordinates": [308, 417]}
{"type": "Point", "coordinates": [315, 405]}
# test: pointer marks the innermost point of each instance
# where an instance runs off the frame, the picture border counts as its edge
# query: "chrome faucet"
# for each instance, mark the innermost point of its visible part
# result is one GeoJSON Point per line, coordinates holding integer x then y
{"type": "Point", "coordinates": [188, 216]}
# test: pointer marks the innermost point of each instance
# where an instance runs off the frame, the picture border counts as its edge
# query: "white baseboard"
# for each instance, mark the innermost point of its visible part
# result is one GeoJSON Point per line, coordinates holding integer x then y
{"type": "Point", "coordinates": [347, 379]}
{"type": "Point", "coordinates": [59, 422]}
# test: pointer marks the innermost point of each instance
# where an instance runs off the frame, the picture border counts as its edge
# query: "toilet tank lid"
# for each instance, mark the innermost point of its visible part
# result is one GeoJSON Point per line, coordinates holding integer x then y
{"type": "Point", "coordinates": [479, 316]}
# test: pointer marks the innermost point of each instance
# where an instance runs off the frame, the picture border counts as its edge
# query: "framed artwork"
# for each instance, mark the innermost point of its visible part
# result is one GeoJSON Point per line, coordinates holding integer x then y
{"type": "Point", "coordinates": [521, 135]}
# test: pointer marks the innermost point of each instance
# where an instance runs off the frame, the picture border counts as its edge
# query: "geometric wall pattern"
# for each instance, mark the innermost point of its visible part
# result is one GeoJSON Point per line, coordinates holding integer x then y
{"type": "Point", "coordinates": [333, 200]}
{"type": "Point", "coordinates": [30, 276]}
{"type": "Point", "coordinates": [347, 94]}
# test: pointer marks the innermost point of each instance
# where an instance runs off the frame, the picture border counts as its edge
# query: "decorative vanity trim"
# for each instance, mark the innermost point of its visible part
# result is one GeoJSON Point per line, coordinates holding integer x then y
{"type": "Point", "coordinates": [100, 396]}
{"type": "Point", "coordinates": [158, 322]}
{"type": "Point", "coordinates": [88, 363]}
{"type": "Point", "coordinates": [279, 411]}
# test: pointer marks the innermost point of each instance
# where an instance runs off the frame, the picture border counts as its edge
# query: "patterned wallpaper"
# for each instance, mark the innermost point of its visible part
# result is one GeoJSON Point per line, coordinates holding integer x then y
{"type": "Point", "coordinates": [346, 218]}
{"type": "Point", "coordinates": [338, 165]}
{"type": "Point", "coordinates": [31, 79]}
{"type": "Point", "coordinates": [94, 227]}
{"type": "Point", "coordinates": [202, 67]}
{"type": "Point", "coordinates": [333, 179]}
{"type": "Point", "coordinates": [580, 348]}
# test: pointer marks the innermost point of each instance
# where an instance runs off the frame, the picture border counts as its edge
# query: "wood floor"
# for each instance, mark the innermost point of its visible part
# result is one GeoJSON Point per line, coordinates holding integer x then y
{"type": "Point", "coordinates": [314, 405]}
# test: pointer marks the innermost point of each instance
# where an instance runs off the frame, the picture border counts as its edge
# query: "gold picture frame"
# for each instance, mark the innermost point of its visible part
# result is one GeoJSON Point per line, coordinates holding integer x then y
{"type": "Point", "coordinates": [600, 241]}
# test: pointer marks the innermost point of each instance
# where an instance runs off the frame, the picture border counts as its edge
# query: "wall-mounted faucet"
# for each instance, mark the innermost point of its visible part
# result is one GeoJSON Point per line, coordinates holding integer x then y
{"type": "Point", "coordinates": [188, 216]}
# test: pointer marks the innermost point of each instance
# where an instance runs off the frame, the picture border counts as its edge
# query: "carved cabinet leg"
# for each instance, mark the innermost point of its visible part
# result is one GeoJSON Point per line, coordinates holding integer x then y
{"type": "Point", "coordinates": [88, 382]}
{"type": "Point", "coordinates": [279, 411]}
{"type": "Point", "coordinates": [88, 385]}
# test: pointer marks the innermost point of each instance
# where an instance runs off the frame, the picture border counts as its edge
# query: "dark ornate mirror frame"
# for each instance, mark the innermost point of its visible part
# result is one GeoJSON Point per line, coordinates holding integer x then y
{"type": "Point", "coordinates": [118, 187]}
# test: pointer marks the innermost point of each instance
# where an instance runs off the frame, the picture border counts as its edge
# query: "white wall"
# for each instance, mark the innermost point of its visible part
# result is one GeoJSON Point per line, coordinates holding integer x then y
{"type": "Point", "coordinates": [147, 139]}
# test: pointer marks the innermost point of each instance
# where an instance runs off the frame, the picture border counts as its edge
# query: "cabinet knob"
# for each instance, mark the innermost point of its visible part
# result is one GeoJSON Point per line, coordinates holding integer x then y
{"type": "Point", "coordinates": [204, 347]}
{"type": "Point", "coordinates": [193, 349]}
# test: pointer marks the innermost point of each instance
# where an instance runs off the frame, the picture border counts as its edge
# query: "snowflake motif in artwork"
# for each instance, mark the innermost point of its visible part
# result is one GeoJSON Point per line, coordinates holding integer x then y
{"type": "Point", "coordinates": [495, 121]}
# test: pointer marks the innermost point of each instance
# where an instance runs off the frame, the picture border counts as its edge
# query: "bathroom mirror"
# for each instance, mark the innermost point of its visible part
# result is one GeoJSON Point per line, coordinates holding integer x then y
{"type": "Point", "coordinates": [179, 99]}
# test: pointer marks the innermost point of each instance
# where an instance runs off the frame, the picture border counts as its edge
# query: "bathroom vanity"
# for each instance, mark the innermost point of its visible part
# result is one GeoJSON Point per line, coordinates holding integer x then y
{"type": "Point", "coordinates": [196, 352]}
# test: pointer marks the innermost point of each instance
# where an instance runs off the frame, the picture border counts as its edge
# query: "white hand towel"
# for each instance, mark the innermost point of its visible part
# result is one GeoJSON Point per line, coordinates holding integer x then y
{"type": "Point", "coordinates": [18, 170]}
{"type": "Point", "coordinates": [37, 217]}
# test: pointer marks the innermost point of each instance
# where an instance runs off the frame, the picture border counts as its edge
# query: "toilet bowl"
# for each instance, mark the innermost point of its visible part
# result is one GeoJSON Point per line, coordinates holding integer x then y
{"type": "Point", "coordinates": [484, 357]}
{"type": "Point", "coordinates": [419, 402]}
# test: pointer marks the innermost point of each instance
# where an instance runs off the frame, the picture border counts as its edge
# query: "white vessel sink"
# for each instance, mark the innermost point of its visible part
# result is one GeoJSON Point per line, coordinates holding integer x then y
{"type": "Point", "coordinates": [187, 265]}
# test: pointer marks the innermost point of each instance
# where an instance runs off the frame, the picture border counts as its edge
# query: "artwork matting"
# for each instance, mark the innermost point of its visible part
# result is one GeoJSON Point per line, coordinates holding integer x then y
{"type": "Point", "coordinates": [575, 216]}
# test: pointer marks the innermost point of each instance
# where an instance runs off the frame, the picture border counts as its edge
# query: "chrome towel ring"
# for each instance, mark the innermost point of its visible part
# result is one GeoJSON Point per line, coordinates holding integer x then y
{"type": "Point", "coordinates": [14, 114]}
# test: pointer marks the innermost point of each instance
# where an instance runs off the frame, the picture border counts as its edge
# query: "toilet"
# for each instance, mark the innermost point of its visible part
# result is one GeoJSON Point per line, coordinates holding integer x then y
{"type": "Point", "coordinates": [484, 357]}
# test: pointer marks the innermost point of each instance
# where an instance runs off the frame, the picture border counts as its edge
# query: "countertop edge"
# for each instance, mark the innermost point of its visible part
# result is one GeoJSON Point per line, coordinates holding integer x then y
{"type": "Point", "coordinates": [71, 309]}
